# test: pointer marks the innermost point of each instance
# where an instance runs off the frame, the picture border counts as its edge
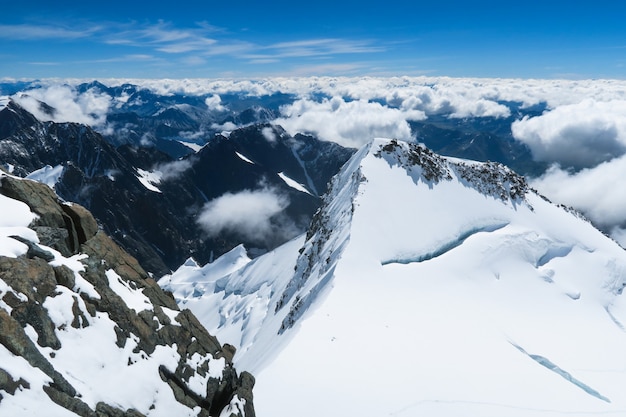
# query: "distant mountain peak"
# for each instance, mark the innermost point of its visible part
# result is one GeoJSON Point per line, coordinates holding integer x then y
{"type": "Point", "coordinates": [14, 118]}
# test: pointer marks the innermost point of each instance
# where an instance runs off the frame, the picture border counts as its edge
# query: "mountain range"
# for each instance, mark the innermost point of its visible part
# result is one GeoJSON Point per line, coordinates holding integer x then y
{"type": "Point", "coordinates": [150, 202]}
{"type": "Point", "coordinates": [420, 277]}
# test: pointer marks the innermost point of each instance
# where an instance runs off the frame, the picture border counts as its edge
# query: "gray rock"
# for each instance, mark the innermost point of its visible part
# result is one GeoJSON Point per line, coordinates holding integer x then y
{"type": "Point", "coordinates": [84, 223]}
{"type": "Point", "coordinates": [37, 280]}
{"type": "Point", "coordinates": [34, 250]}
{"type": "Point", "coordinates": [10, 385]}
{"type": "Point", "coordinates": [65, 276]}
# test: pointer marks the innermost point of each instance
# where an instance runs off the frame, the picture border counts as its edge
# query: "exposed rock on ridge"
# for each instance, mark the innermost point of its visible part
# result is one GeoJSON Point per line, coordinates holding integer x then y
{"type": "Point", "coordinates": [83, 327]}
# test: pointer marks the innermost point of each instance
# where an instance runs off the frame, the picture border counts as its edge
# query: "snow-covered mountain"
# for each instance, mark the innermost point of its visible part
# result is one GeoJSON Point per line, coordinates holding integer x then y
{"type": "Point", "coordinates": [425, 285]}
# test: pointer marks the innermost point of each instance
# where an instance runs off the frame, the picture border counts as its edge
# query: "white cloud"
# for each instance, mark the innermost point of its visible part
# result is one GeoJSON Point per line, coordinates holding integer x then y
{"type": "Point", "coordinates": [88, 108]}
{"type": "Point", "coordinates": [597, 192]}
{"type": "Point", "coordinates": [250, 214]}
{"type": "Point", "coordinates": [268, 134]}
{"type": "Point", "coordinates": [436, 93]}
{"type": "Point", "coordinates": [350, 123]}
{"type": "Point", "coordinates": [214, 102]}
{"type": "Point", "coordinates": [163, 37]}
{"type": "Point", "coordinates": [30, 32]}
{"type": "Point", "coordinates": [174, 169]}
{"type": "Point", "coordinates": [225, 127]}
{"type": "Point", "coordinates": [576, 135]}
{"type": "Point", "coordinates": [321, 47]}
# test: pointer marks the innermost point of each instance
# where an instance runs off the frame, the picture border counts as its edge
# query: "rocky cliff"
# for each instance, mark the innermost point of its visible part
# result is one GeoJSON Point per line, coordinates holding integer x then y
{"type": "Point", "coordinates": [85, 331]}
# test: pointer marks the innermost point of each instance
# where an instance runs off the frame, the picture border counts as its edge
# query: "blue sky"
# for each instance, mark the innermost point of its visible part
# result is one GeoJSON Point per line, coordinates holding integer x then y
{"type": "Point", "coordinates": [244, 39]}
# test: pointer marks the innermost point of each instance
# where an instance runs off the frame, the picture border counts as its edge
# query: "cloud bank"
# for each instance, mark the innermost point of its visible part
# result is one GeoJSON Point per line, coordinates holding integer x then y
{"type": "Point", "coordinates": [349, 123]}
{"type": "Point", "coordinates": [597, 192]}
{"type": "Point", "coordinates": [578, 135]}
{"type": "Point", "coordinates": [586, 141]}
{"type": "Point", "coordinates": [90, 107]}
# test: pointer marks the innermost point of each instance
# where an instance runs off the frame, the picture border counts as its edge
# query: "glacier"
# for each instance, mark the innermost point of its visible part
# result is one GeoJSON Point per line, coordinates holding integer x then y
{"type": "Point", "coordinates": [426, 285]}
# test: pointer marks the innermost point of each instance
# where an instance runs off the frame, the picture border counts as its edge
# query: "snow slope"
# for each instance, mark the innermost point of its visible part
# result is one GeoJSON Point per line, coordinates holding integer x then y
{"type": "Point", "coordinates": [233, 296]}
{"type": "Point", "coordinates": [431, 286]}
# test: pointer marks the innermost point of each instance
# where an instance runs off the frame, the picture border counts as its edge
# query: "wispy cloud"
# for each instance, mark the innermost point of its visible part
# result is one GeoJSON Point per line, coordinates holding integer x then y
{"type": "Point", "coordinates": [326, 69]}
{"type": "Point", "coordinates": [45, 63]}
{"type": "Point", "coordinates": [90, 107]}
{"type": "Point", "coordinates": [164, 37]}
{"type": "Point", "coordinates": [41, 32]}
{"type": "Point", "coordinates": [236, 48]}
{"type": "Point", "coordinates": [255, 215]}
{"type": "Point", "coordinates": [123, 58]}
{"type": "Point", "coordinates": [309, 48]}
{"type": "Point", "coordinates": [317, 47]}
{"type": "Point", "coordinates": [190, 45]}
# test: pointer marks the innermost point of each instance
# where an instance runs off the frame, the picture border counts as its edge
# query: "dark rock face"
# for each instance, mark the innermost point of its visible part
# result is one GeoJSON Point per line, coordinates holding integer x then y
{"type": "Point", "coordinates": [13, 119]}
{"type": "Point", "coordinates": [31, 329]}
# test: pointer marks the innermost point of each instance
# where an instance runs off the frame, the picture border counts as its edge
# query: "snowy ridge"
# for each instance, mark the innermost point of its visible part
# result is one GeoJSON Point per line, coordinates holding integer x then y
{"type": "Point", "coordinates": [326, 237]}
{"type": "Point", "coordinates": [191, 278]}
{"type": "Point", "coordinates": [4, 101]}
{"type": "Point", "coordinates": [500, 298]}
{"type": "Point", "coordinates": [489, 178]}
{"type": "Point", "coordinates": [252, 305]}
{"type": "Point", "coordinates": [452, 282]}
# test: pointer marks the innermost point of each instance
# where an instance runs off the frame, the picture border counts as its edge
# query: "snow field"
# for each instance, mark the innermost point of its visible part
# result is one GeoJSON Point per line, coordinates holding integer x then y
{"type": "Point", "coordinates": [415, 296]}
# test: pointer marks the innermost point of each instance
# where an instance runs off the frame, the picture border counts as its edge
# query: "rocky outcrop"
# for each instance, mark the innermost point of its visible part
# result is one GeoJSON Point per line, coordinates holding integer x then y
{"type": "Point", "coordinates": [63, 227]}
{"type": "Point", "coordinates": [75, 292]}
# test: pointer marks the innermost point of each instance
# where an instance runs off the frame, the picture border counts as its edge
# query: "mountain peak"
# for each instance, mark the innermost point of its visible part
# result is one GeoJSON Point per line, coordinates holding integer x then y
{"type": "Point", "coordinates": [451, 280]}
{"type": "Point", "coordinates": [490, 178]}
{"type": "Point", "coordinates": [14, 118]}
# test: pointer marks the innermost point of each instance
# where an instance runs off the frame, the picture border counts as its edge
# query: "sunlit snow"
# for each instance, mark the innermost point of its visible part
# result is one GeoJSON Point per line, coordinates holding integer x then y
{"type": "Point", "coordinates": [15, 218]}
{"type": "Point", "coordinates": [150, 179]}
{"type": "Point", "coordinates": [193, 146]}
{"type": "Point", "coordinates": [244, 158]}
{"type": "Point", "coordinates": [422, 297]}
{"type": "Point", "coordinates": [90, 358]}
{"type": "Point", "coordinates": [47, 175]}
{"type": "Point", "coordinates": [293, 183]}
